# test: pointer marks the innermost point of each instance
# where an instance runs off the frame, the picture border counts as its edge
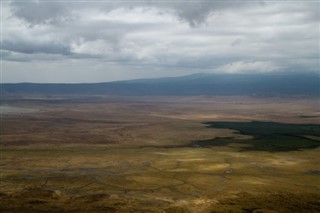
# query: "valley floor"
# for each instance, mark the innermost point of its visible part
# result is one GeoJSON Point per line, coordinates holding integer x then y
{"type": "Point", "coordinates": [112, 154]}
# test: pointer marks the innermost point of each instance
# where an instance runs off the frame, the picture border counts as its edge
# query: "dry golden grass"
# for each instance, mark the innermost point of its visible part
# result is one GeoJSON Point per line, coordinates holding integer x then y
{"type": "Point", "coordinates": [128, 155]}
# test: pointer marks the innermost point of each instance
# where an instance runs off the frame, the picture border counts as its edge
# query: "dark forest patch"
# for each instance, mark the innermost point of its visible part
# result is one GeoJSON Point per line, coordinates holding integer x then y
{"type": "Point", "coordinates": [267, 136]}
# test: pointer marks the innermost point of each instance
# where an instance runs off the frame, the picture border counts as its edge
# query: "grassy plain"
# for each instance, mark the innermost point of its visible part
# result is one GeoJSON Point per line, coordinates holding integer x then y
{"type": "Point", "coordinates": [142, 154]}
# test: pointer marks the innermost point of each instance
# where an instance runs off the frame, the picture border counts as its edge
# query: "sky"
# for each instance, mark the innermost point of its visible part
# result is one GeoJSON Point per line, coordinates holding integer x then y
{"type": "Point", "coordinates": [100, 41]}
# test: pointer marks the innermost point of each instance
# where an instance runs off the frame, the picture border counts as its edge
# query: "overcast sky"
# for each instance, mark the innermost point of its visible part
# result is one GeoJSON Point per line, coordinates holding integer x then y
{"type": "Point", "coordinates": [70, 41]}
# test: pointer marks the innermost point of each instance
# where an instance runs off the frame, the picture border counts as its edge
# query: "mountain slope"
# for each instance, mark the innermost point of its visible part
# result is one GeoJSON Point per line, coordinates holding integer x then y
{"type": "Point", "coordinates": [196, 84]}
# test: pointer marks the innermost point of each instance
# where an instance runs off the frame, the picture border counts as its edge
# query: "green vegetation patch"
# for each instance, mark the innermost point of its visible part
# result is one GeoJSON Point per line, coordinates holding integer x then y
{"type": "Point", "coordinates": [267, 136]}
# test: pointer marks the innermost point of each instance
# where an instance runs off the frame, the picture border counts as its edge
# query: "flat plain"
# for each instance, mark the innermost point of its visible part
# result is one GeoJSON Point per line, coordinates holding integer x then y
{"type": "Point", "coordinates": [159, 154]}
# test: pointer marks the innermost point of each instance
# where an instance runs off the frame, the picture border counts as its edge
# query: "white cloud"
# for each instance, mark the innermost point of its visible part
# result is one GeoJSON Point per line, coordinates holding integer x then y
{"type": "Point", "coordinates": [249, 67]}
{"type": "Point", "coordinates": [143, 39]}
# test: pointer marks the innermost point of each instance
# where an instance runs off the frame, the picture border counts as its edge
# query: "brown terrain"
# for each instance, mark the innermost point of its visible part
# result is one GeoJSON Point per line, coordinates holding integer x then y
{"type": "Point", "coordinates": [133, 154]}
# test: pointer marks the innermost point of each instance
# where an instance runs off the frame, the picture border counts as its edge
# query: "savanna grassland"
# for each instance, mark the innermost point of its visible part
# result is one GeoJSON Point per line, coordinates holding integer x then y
{"type": "Point", "coordinates": [160, 154]}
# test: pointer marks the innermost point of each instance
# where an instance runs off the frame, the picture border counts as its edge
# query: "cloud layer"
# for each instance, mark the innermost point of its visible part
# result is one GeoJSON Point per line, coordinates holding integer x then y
{"type": "Point", "coordinates": [60, 41]}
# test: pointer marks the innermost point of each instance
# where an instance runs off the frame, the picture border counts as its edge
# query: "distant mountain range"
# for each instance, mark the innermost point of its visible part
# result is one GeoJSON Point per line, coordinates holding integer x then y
{"type": "Point", "coordinates": [297, 84]}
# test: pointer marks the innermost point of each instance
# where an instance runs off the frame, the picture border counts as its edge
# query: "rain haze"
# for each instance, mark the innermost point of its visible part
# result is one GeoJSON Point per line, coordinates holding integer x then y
{"type": "Point", "coordinates": [103, 41]}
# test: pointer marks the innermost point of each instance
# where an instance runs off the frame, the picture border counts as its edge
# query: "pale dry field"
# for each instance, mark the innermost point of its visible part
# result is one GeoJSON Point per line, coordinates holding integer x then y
{"type": "Point", "coordinates": [112, 154]}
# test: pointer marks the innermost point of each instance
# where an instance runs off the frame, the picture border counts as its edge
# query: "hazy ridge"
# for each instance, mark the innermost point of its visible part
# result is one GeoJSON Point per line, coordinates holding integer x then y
{"type": "Point", "coordinates": [196, 84]}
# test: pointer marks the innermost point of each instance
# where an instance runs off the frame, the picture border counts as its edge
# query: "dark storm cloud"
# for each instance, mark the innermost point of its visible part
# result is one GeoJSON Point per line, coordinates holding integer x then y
{"type": "Point", "coordinates": [193, 12]}
{"type": "Point", "coordinates": [32, 47]}
{"type": "Point", "coordinates": [36, 12]}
